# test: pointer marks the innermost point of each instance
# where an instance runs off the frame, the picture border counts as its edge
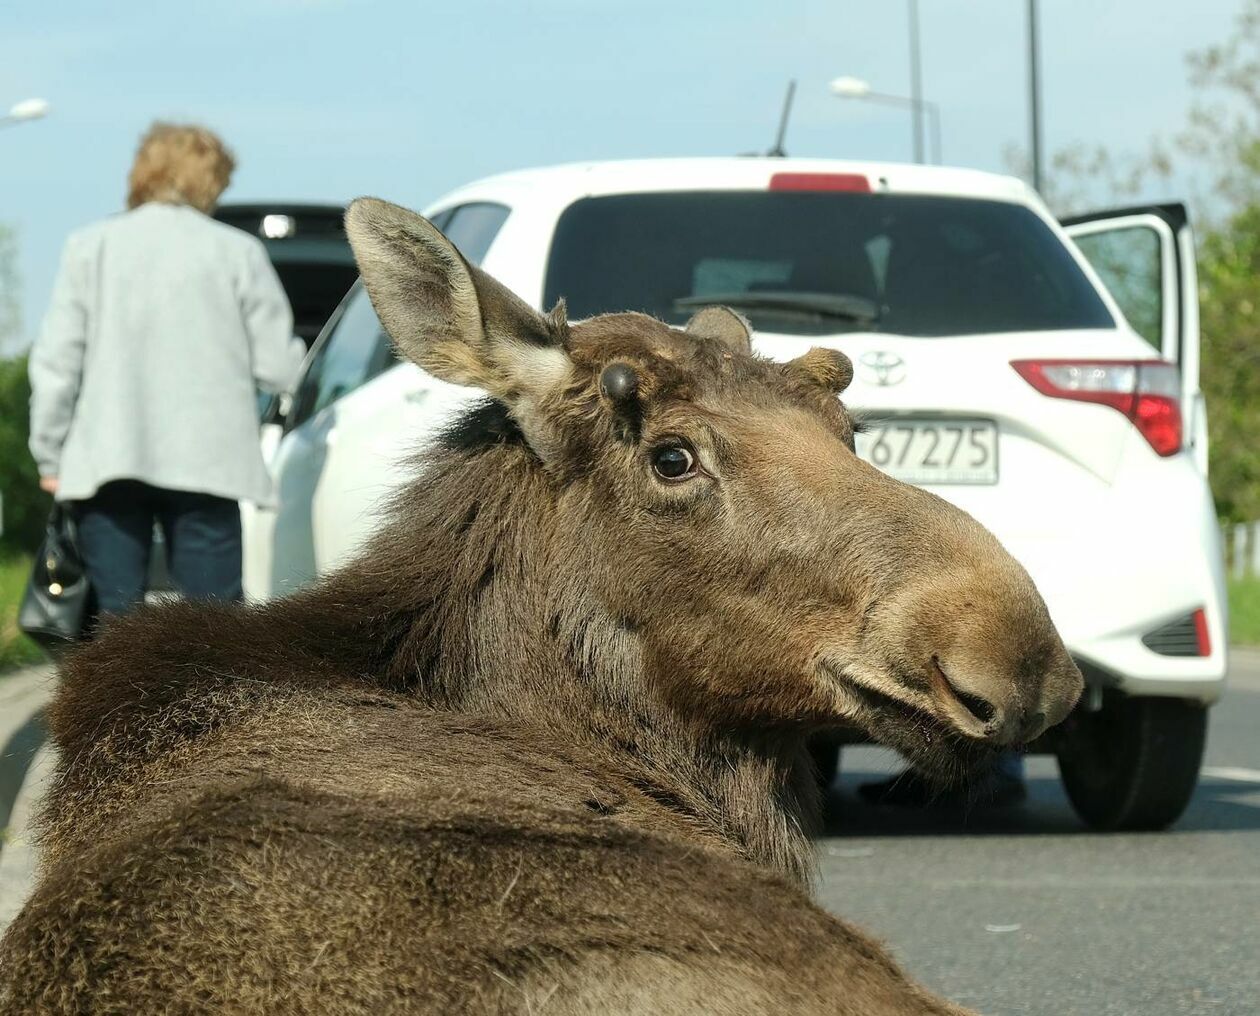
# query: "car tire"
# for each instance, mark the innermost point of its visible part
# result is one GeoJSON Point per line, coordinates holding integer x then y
{"type": "Point", "coordinates": [1134, 764]}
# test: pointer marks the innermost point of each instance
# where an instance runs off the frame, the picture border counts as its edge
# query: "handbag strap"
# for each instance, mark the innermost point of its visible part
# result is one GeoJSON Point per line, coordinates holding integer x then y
{"type": "Point", "coordinates": [56, 524]}
{"type": "Point", "coordinates": [62, 531]}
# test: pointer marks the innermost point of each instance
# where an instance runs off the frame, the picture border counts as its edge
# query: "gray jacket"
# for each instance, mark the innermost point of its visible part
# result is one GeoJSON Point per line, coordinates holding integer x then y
{"type": "Point", "coordinates": [162, 322]}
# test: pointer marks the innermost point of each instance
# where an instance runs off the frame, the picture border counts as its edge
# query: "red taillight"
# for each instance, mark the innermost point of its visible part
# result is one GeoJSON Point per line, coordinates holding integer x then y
{"type": "Point", "coordinates": [1146, 391]}
{"type": "Point", "coordinates": [820, 182]}
{"type": "Point", "coordinates": [1201, 632]}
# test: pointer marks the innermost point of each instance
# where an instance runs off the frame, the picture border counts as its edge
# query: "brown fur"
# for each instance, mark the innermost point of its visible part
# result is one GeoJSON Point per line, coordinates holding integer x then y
{"type": "Point", "coordinates": [541, 748]}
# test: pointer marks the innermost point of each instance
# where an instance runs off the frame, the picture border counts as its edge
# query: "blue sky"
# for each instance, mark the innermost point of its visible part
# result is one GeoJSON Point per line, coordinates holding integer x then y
{"type": "Point", "coordinates": [327, 99]}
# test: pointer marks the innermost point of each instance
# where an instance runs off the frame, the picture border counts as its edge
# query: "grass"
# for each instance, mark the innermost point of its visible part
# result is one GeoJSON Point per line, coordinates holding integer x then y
{"type": "Point", "coordinates": [15, 648]}
{"type": "Point", "coordinates": [1244, 611]}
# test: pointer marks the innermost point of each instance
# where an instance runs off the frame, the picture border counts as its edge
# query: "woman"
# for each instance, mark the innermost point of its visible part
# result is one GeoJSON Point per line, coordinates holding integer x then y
{"type": "Point", "coordinates": [143, 405]}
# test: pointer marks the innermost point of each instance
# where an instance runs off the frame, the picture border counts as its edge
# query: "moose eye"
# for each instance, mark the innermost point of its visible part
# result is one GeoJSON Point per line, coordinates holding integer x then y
{"type": "Point", "coordinates": [674, 462]}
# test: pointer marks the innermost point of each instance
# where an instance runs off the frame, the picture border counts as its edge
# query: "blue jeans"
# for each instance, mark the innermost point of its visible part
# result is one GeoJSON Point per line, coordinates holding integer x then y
{"type": "Point", "coordinates": [202, 534]}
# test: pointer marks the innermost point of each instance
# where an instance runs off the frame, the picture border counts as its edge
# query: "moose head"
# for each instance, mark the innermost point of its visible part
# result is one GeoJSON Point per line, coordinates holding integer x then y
{"type": "Point", "coordinates": [707, 506]}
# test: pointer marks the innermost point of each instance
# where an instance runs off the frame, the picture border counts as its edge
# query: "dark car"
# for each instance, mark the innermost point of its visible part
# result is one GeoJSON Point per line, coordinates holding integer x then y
{"type": "Point", "coordinates": [307, 244]}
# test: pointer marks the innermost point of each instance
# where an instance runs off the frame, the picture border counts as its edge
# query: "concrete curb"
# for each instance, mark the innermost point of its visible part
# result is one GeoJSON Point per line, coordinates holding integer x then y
{"type": "Point", "coordinates": [20, 859]}
{"type": "Point", "coordinates": [25, 766]}
{"type": "Point", "coordinates": [23, 696]}
{"type": "Point", "coordinates": [21, 685]}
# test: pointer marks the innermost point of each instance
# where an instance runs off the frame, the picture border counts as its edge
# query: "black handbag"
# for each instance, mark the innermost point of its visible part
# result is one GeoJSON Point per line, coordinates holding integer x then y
{"type": "Point", "coordinates": [54, 609]}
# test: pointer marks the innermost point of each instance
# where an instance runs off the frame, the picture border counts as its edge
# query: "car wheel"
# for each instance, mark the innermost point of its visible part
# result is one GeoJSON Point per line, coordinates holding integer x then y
{"type": "Point", "coordinates": [1134, 763]}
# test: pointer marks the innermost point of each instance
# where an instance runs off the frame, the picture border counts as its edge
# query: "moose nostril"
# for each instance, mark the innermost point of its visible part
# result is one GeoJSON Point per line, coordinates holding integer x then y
{"type": "Point", "coordinates": [982, 709]}
{"type": "Point", "coordinates": [979, 707]}
{"type": "Point", "coordinates": [1033, 726]}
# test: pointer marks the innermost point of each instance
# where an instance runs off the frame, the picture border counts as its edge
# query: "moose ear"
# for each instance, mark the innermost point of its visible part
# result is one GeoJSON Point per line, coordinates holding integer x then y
{"type": "Point", "coordinates": [452, 319]}
{"type": "Point", "coordinates": [827, 368]}
{"type": "Point", "coordinates": [721, 324]}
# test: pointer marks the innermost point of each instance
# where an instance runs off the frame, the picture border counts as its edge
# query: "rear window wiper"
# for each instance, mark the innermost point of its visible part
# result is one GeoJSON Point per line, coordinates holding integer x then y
{"type": "Point", "coordinates": [829, 305]}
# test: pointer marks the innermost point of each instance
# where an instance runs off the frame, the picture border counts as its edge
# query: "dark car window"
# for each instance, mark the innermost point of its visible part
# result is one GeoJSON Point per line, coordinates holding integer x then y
{"type": "Point", "coordinates": [815, 263]}
{"type": "Point", "coordinates": [354, 351]}
{"type": "Point", "coordinates": [473, 227]}
{"type": "Point", "coordinates": [308, 246]}
{"type": "Point", "coordinates": [314, 288]}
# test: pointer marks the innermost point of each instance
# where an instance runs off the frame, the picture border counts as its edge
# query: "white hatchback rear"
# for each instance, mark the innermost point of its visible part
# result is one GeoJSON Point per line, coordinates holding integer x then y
{"type": "Point", "coordinates": [992, 365]}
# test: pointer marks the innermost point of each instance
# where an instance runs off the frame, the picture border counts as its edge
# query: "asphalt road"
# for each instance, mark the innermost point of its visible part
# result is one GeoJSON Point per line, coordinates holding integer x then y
{"type": "Point", "coordinates": [1028, 913]}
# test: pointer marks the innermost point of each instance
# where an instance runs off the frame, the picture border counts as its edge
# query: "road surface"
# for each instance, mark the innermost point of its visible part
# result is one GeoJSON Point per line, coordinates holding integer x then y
{"type": "Point", "coordinates": [1031, 914]}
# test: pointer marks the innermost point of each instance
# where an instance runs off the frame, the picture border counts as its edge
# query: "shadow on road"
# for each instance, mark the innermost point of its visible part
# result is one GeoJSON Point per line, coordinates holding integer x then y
{"type": "Point", "coordinates": [1217, 805]}
{"type": "Point", "coordinates": [15, 759]}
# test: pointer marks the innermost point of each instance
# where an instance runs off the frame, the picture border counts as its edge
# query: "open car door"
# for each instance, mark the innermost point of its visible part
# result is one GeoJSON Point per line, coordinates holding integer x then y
{"type": "Point", "coordinates": [1145, 257]}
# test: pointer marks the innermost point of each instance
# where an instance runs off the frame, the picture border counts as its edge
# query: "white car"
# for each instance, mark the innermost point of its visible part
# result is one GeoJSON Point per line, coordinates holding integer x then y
{"type": "Point", "coordinates": [1042, 376]}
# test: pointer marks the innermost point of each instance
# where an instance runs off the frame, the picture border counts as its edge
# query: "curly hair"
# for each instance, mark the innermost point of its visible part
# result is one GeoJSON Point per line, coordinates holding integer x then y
{"type": "Point", "coordinates": [180, 164]}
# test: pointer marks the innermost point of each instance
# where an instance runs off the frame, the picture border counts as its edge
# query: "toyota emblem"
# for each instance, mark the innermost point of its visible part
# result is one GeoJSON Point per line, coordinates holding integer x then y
{"type": "Point", "coordinates": [882, 368]}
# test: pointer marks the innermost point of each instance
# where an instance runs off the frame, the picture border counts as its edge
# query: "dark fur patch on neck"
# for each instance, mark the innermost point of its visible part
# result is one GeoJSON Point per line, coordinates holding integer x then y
{"type": "Point", "coordinates": [486, 423]}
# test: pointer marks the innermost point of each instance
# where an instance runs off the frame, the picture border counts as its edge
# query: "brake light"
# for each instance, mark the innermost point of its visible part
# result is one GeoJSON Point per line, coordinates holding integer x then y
{"type": "Point", "coordinates": [1148, 392]}
{"type": "Point", "coordinates": [820, 182]}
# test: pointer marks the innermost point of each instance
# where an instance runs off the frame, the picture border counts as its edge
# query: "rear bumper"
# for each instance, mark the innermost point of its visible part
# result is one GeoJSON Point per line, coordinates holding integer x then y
{"type": "Point", "coordinates": [1203, 688]}
{"type": "Point", "coordinates": [1131, 571]}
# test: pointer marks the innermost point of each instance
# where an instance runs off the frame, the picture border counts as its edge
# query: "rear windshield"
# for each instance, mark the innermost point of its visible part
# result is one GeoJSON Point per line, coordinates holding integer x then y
{"type": "Point", "coordinates": [815, 263]}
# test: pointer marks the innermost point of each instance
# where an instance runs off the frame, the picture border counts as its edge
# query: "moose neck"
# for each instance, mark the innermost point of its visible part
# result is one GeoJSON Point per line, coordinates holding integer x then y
{"type": "Point", "coordinates": [492, 611]}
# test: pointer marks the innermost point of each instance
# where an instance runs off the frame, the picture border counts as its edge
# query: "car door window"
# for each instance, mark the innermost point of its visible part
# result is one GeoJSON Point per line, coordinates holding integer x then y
{"type": "Point", "coordinates": [1128, 261]}
{"type": "Point", "coordinates": [473, 227]}
{"type": "Point", "coordinates": [354, 351]}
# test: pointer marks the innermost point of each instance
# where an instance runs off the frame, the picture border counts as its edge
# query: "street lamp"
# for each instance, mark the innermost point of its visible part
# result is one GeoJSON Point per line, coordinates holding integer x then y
{"type": "Point", "coordinates": [855, 88]}
{"type": "Point", "coordinates": [1034, 95]}
{"type": "Point", "coordinates": [27, 109]}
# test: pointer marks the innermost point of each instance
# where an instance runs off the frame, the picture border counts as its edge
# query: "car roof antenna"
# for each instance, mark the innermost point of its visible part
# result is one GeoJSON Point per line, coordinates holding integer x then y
{"type": "Point", "coordinates": [777, 151]}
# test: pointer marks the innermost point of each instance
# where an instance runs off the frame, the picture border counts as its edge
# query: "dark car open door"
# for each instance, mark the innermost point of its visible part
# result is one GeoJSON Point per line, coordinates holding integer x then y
{"type": "Point", "coordinates": [1145, 257]}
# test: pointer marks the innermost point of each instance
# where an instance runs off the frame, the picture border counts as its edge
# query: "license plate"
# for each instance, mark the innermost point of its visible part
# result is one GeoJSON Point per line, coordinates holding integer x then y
{"type": "Point", "coordinates": [926, 451]}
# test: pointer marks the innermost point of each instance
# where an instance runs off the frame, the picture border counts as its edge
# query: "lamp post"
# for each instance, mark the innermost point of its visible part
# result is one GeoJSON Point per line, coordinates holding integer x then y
{"type": "Point", "coordinates": [27, 109]}
{"type": "Point", "coordinates": [855, 88]}
{"type": "Point", "coordinates": [916, 78]}
{"type": "Point", "coordinates": [1034, 95]}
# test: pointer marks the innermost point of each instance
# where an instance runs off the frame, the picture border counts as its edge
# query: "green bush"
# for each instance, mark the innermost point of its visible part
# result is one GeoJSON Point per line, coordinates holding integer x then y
{"type": "Point", "coordinates": [1244, 611]}
{"type": "Point", "coordinates": [25, 505]}
{"type": "Point", "coordinates": [15, 648]}
{"type": "Point", "coordinates": [1229, 264]}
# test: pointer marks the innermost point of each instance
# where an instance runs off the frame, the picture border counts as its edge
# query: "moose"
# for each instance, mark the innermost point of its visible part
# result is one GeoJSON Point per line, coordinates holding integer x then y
{"type": "Point", "coordinates": [543, 745]}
